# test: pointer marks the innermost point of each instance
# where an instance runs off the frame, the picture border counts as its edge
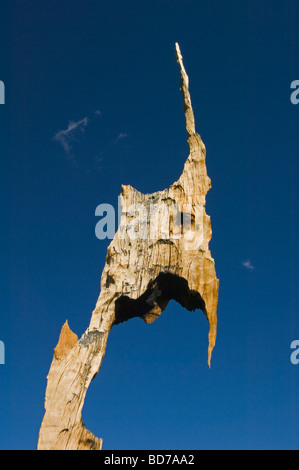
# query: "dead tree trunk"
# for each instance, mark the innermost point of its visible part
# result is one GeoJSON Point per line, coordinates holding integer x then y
{"type": "Point", "coordinates": [168, 257]}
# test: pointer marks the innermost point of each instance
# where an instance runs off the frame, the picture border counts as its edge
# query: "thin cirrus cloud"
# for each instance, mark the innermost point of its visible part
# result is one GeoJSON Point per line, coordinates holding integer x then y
{"type": "Point", "coordinates": [66, 136]}
{"type": "Point", "coordinates": [247, 264]}
{"type": "Point", "coordinates": [108, 149]}
{"type": "Point", "coordinates": [120, 136]}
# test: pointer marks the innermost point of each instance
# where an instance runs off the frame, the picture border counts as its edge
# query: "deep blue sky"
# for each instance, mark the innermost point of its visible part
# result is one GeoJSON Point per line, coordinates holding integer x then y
{"type": "Point", "coordinates": [61, 61]}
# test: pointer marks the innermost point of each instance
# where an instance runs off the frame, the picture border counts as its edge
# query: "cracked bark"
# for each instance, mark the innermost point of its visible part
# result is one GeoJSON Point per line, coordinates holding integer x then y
{"type": "Point", "coordinates": [140, 277]}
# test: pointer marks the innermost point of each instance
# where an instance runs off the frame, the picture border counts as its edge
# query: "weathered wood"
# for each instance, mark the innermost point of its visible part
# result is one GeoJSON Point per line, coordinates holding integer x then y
{"type": "Point", "coordinates": [166, 260]}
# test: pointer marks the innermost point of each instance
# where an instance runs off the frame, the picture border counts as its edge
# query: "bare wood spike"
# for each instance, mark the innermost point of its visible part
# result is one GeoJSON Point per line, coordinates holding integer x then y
{"type": "Point", "coordinates": [141, 275]}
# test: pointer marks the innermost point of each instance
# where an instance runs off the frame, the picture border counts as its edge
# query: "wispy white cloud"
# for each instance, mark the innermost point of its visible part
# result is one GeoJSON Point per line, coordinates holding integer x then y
{"type": "Point", "coordinates": [109, 149]}
{"type": "Point", "coordinates": [120, 136]}
{"type": "Point", "coordinates": [66, 136]}
{"type": "Point", "coordinates": [247, 264]}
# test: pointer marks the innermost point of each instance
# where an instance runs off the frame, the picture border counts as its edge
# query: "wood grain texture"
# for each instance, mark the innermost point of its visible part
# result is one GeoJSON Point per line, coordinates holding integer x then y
{"type": "Point", "coordinates": [167, 259]}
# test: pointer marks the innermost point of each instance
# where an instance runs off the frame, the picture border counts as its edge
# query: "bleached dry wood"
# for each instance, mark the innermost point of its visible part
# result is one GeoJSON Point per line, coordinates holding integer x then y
{"type": "Point", "coordinates": [140, 276]}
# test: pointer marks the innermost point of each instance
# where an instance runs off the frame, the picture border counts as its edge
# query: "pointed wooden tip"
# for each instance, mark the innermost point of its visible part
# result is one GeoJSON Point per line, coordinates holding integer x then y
{"type": "Point", "coordinates": [67, 339]}
{"type": "Point", "coordinates": [178, 51]}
